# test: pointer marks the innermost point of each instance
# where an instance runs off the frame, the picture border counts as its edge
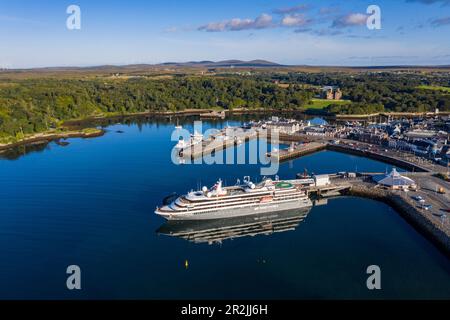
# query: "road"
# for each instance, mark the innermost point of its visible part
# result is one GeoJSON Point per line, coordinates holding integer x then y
{"type": "Point", "coordinates": [427, 189]}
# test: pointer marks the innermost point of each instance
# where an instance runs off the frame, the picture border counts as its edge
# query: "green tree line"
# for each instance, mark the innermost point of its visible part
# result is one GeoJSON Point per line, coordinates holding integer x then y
{"type": "Point", "coordinates": [30, 106]}
{"type": "Point", "coordinates": [370, 91]}
{"type": "Point", "coordinates": [36, 105]}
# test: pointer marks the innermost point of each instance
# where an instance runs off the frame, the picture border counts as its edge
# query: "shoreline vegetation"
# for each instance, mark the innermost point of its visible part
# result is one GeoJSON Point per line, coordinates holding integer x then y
{"type": "Point", "coordinates": [67, 128]}
{"type": "Point", "coordinates": [74, 128]}
{"type": "Point", "coordinates": [49, 136]}
{"type": "Point", "coordinates": [35, 105]}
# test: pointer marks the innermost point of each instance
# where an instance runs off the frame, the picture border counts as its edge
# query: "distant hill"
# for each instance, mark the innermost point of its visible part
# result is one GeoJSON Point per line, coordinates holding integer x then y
{"type": "Point", "coordinates": [153, 67]}
{"type": "Point", "coordinates": [224, 64]}
{"type": "Point", "coordinates": [195, 67]}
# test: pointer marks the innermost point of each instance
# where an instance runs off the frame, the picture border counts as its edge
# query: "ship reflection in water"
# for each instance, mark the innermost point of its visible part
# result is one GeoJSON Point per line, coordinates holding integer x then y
{"type": "Point", "coordinates": [216, 231]}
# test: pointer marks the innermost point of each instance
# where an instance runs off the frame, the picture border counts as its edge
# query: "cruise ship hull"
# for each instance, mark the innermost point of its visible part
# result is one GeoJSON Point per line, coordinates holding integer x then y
{"type": "Point", "coordinates": [256, 209]}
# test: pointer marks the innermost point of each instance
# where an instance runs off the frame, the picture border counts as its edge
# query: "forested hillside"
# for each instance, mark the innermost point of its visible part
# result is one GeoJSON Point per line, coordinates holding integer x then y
{"type": "Point", "coordinates": [36, 105]}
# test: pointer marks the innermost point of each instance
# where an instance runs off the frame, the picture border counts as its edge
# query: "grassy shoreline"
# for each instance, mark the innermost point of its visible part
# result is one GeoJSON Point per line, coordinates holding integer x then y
{"type": "Point", "coordinates": [51, 136]}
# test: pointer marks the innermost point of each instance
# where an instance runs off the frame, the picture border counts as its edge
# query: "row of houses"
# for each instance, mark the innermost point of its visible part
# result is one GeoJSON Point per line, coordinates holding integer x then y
{"type": "Point", "coordinates": [423, 138]}
{"type": "Point", "coordinates": [430, 143]}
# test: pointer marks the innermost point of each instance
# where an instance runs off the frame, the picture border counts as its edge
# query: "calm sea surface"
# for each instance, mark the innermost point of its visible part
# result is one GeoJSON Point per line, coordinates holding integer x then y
{"type": "Point", "coordinates": [91, 204]}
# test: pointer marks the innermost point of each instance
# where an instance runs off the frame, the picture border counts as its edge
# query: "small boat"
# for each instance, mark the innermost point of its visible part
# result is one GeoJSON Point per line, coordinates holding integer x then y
{"type": "Point", "coordinates": [62, 143]}
{"type": "Point", "coordinates": [178, 127]}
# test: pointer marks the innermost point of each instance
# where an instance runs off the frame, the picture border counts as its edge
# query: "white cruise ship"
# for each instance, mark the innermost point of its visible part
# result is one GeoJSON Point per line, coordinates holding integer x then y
{"type": "Point", "coordinates": [236, 201]}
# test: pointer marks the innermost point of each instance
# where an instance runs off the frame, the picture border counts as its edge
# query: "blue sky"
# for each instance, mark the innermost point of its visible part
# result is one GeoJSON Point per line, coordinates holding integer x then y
{"type": "Point", "coordinates": [328, 32]}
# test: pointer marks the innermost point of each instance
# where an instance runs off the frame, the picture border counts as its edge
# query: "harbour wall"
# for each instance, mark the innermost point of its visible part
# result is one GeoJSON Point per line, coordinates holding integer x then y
{"type": "Point", "coordinates": [429, 228]}
{"type": "Point", "coordinates": [394, 161]}
{"type": "Point", "coordinates": [318, 146]}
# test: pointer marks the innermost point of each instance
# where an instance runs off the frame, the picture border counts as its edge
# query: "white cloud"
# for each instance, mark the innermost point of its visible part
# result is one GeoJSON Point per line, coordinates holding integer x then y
{"type": "Point", "coordinates": [350, 20]}
{"type": "Point", "coordinates": [262, 22]}
{"type": "Point", "coordinates": [294, 9]}
{"type": "Point", "coordinates": [294, 20]}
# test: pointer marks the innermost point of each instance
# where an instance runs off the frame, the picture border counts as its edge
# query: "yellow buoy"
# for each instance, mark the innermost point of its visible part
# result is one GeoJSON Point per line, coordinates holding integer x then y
{"type": "Point", "coordinates": [186, 264]}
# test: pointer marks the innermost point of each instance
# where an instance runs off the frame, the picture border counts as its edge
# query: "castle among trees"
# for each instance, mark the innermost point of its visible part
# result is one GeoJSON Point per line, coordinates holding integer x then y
{"type": "Point", "coordinates": [331, 93]}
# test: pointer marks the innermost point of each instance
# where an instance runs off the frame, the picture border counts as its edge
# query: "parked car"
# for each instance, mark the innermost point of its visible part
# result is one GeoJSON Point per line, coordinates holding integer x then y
{"type": "Point", "coordinates": [418, 198]}
{"type": "Point", "coordinates": [426, 207]}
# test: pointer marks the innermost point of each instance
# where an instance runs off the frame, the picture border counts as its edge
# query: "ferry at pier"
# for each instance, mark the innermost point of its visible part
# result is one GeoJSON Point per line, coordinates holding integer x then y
{"type": "Point", "coordinates": [243, 199]}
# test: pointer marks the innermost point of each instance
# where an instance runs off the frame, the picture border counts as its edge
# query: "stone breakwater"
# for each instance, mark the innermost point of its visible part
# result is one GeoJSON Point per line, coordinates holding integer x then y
{"type": "Point", "coordinates": [437, 233]}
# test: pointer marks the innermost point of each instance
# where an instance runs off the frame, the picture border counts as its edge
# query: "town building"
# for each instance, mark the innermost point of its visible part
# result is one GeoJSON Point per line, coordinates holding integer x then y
{"type": "Point", "coordinates": [395, 181]}
{"type": "Point", "coordinates": [284, 126]}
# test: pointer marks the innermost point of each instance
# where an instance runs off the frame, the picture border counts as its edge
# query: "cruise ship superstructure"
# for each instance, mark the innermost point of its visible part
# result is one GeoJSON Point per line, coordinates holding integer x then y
{"type": "Point", "coordinates": [240, 200]}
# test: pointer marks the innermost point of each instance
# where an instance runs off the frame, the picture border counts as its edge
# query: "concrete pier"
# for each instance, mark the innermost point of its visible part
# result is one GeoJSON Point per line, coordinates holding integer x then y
{"type": "Point", "coordinates": [216, 143]}
{"type": "Point", "coordinates": [298, 151]}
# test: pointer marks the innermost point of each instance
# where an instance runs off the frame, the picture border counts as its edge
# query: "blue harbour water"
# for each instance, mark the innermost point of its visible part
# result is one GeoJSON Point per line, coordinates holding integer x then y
{"type": "Point", "coordinates": [91, 204]}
